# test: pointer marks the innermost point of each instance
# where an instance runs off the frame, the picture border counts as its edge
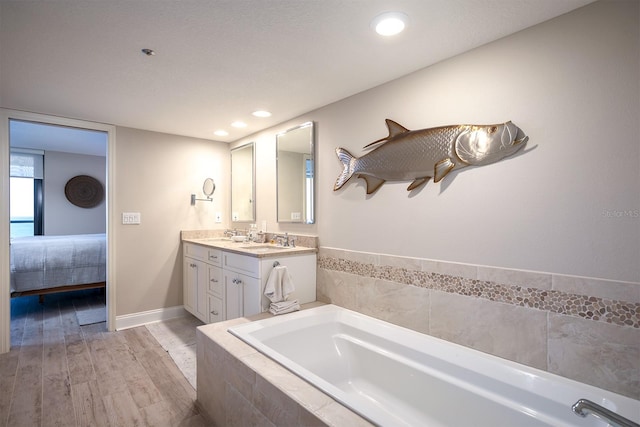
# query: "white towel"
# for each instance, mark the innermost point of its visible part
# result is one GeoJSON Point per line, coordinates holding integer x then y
{"type": "Point", "coordinates": [279, 284]}
{"type": "Point", "coordinates": [283, 307]}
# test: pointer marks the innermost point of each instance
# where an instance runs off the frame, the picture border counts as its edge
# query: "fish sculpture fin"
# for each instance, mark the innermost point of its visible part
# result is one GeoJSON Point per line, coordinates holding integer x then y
{"type": "Point", "coordinates": [395, 129]}
{"type": "Point", "coordinates": [373, 183]}
{"type": "Point", "coordinates": [418, 182]}
{"type": "Point", "coordinates": [347, 171]}
{"type": "Point", "coordinates": [442, 168]}
{"type": "Point", "coordinates": [377, 141]}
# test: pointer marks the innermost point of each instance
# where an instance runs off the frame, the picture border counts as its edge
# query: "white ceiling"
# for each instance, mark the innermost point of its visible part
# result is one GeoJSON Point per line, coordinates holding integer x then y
{"type": "Point", "coordinates": [219, 60]}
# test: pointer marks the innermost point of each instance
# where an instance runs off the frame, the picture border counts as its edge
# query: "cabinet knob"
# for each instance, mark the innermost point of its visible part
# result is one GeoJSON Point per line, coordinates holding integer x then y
{"type": "Point", "coordinates": [215, 313]}
{"type": "Point", "coordinates": [214, 280]}
{"type": "Point", "coordinates": [213, 257]}
{"type": "Point", "coordinates": [192, 265]}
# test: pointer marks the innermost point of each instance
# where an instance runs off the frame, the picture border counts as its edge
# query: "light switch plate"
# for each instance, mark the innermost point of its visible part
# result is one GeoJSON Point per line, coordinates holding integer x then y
{"type": "Point", "coordinates": [218, 217]}
{"type": "Point", "coordinates": [130, 218]}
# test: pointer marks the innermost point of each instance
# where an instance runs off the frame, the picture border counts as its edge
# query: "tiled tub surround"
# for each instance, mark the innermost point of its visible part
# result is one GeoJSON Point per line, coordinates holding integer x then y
{"type": "Point", "coordinates": [238, 386]}
{"type": "Point", "coordinates": [583, 329]}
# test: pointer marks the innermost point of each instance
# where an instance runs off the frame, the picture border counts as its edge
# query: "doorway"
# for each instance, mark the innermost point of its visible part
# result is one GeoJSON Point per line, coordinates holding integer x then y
{"type": "Point", "coordinates": [37, 132]}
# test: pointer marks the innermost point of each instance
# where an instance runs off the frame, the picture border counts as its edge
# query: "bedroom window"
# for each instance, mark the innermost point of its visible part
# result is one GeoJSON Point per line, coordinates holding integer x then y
{"type": "Point", "coordinates": [25, 189]}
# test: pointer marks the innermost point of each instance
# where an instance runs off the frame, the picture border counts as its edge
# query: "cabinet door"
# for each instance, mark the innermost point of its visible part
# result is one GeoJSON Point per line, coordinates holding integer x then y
{"type": "Point", "coordinates": [202, 304]}
{"type": "Point", "coordinates": [190, 284]}
{"type": "Point", "coordinates": [242, 295]}
{"type": "Point", "coordinates": [233, 295]}
{"type": "Point", "coordinates": [252, 296]}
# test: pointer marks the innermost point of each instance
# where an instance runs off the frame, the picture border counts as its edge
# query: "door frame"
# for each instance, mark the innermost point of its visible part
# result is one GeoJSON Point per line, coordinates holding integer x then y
{"type": "Point", "coordinates": [5, 297]}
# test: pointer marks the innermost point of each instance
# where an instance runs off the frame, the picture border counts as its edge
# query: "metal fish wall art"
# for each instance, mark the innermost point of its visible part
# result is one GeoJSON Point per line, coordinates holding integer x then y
{"type": "Point", "coordinates": [419, 155]}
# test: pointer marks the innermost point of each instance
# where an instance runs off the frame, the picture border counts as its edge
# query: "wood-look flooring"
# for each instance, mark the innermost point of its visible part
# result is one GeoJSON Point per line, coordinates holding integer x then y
{"type": "Point", "coordinates": [59, 373]}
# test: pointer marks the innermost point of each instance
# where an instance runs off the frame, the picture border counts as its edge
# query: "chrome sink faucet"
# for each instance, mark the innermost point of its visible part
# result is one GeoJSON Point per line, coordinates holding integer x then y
{"type": "Point", "coordinates": [231, 233]}
{"type": "Point", "coordinates": [283, 240]}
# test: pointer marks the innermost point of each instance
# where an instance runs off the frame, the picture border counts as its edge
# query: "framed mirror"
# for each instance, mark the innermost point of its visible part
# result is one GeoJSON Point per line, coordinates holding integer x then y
{"type": "Point", "coordinates": [295, 174]}
{"type": "Point", "coordinates": [243, 184]}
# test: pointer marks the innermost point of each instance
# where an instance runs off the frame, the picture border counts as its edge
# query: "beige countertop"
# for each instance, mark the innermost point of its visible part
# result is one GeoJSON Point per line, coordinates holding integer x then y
{"type": "Point", "coordinates": [258, 250]}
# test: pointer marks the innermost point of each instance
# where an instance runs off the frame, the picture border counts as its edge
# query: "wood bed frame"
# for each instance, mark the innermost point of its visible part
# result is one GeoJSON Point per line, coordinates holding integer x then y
{"type": "Point", "coordinates": [42, 292]}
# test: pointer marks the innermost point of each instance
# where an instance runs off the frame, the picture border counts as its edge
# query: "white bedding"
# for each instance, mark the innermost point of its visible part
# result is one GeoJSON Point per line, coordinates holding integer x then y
{"type": "Point", "coordinates": [43, 262]}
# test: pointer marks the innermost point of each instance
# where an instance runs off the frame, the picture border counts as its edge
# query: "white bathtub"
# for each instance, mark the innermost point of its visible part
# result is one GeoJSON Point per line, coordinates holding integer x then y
{"type": "Point", "coordinates": [397, 377]}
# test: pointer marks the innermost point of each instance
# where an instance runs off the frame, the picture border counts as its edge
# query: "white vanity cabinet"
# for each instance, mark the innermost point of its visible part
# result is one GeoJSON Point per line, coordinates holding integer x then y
{"type": "Point", "coordinates": [221, 285]}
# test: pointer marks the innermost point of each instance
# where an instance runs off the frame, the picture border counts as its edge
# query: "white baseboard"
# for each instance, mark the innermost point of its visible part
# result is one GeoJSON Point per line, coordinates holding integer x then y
{"type": "Point", "coordinates": [138, 319]}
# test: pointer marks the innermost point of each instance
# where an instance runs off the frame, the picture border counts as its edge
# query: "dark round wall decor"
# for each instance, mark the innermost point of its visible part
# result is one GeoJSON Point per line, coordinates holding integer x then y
{"type": "Point", "coordinates": [84, 191]}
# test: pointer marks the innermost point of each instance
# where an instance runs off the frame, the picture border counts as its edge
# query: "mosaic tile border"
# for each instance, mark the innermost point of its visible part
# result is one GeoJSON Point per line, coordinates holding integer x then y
{"type": "Point", "coordinates": [616, 312]}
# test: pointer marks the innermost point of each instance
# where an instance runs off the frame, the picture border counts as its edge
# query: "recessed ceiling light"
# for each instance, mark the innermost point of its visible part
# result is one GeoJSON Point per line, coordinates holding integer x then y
{"type": "Point", "coordinates": [390, 23]}
{"type": "Point", "coordinates": [221, 133]}
{"type": "Point", "coordinates": [261, 113]}
{"type": "Point", "coordinates": [239, 124]}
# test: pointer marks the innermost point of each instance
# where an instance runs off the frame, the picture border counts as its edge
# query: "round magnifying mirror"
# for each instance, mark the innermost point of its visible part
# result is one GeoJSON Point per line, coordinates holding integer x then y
{"type": "Point", "coordinates": [208, 187]}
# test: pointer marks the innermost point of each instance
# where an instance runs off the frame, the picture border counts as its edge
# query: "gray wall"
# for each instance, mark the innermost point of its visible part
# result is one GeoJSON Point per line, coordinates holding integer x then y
{"type": "Point", "coordinates": [61, 216]}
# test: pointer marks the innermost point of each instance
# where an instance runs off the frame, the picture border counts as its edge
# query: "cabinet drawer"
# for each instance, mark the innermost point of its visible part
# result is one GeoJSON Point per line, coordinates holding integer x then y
{"type": "Point", "coordinates": [215, 309]}
{"type": "Point", "coordinates": [215, 286]}
{"type": "Point", "coordinates": [242, 263]}
{"type": "Point", "coordinates": [195, 251]}
{"type": "Point", "coordinates": [214, 256]}
{"type": "Point", "coordinates": [204, 253]}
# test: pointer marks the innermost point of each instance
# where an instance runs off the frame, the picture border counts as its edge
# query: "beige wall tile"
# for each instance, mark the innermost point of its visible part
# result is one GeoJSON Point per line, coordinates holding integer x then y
{"type": "Point", "coordinates": [400, 304]}
{"type": "Point", "coordinates": [503, 276]}
{"type": "Point", "coordinates": [466, 271]}
{"type": "Point", "coordinates": [305, 394]}
{"type": "Point", "coordinates": [335, 414]}
{"type": "Point", "coordinates": [609, 289]}
{"type": "Point", "coordinates": [242, 413]}
{"type": "Point", "coordinates": [361, 257]}
{"type": "Point", "coordinates": [331, 252]}
{"type": "Point", "coordinates": [279, 408]}
{"type": "Point", "coordinates": [515, 333]}
{"type": "Point", "coordinates": [596, 353]}
{"type": "Point", "coordinates": [336, 288]}
{"type": "Point", "coordinates": [210, 393]}
{"type": "Point", "coordinates": [401, 262]}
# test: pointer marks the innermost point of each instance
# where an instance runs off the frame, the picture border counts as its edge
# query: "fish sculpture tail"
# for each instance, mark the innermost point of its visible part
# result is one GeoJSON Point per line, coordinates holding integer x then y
{"type": "Point", "coordinates": [348, 163]}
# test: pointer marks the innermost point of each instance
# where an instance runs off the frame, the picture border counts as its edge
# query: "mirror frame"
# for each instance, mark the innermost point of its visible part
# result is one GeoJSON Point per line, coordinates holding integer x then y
{"type": "Point", "coordinates": [252, 200]}
{"type": "Point", "coordinates": [211, 183]}
{"type": "Point", "coordinates": [308, 217]}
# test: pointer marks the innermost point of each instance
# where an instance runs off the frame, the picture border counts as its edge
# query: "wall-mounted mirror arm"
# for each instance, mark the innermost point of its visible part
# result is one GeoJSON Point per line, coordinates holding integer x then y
{"type": "Point", "coordinates": [207, 188]}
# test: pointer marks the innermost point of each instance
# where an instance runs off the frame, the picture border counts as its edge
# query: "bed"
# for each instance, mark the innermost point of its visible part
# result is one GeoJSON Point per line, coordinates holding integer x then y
{"type": "Point", "coordinates": [46, 264]}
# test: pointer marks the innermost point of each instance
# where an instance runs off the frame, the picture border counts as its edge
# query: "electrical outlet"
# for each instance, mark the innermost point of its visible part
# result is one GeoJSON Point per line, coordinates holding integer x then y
{"type": "Point", "coordinates": [129, 218]}
{"type": "Point", "coordinates": [296, 216]}
{"type": "Point", "coordinates": [218, 217]}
